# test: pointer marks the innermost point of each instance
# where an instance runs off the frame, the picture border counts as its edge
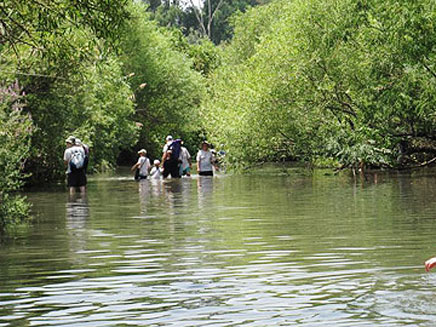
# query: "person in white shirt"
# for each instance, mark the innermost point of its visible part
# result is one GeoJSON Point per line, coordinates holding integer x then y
{"type": "Point", "coordinates": [168, 142]}
{"type": "Point", "coordinates": [142, 167]}
{"type": "Point", "coordinates": [156, 172]}
{"type": "Point", "coordinates": [186, 164]}
{"type": "Point", "coordinates": [205, 160]}
{"type": "Point", "coordinates": [74, 160]}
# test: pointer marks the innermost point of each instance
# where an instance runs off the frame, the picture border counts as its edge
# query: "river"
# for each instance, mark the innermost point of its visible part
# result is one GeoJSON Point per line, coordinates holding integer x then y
{"type": "Point", "coordinates": [266, 249]}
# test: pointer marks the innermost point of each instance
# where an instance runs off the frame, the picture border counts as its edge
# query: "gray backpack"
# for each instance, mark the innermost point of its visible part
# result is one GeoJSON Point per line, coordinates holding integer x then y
{"type": "Point", "coordinates": [77, 160]}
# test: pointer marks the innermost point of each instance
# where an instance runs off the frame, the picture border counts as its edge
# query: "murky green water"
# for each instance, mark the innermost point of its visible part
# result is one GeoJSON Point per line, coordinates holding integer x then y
{"type": "Point", "coordinates": [262, 250]}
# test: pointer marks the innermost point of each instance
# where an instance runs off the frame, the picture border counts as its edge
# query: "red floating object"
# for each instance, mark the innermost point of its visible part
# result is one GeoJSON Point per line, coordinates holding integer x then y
{"type": "Point", "coordinates": [429, 264]}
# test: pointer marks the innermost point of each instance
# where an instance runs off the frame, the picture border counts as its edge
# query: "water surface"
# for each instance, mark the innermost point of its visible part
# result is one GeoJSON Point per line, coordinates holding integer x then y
{"type": "Point", "coordinates": [260, 250]}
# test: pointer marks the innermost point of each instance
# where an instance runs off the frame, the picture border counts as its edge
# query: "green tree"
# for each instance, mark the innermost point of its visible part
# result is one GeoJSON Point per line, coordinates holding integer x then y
{"type": "Point", "coordinates": [46, 26]}
{"type": "Point", "coordinates": [64, 56]}
{"type": "Point", "coordinates": [167, 90]}
{"type": "Point", "coordinates": [15, 131]}
{"type": "Point", "coordinates": [347, 81]}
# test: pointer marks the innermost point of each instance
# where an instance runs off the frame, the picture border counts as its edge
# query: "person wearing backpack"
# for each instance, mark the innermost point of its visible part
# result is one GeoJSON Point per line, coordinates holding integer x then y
{"type": "Point", "coordinates": [86, 149]}
{"type": "Point", "coordinates": [74, 159]}
{"type": "Point", "coordinates": [171, 159]}
{"type": "Point", "coordinates": [168, 141]}
{"type": "Point", "coordinates": [142, 167]}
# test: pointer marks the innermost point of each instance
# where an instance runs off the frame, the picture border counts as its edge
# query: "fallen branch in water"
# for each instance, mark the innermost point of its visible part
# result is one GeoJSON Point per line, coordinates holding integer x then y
{"type": "Point", "coordinates": [423, 164]}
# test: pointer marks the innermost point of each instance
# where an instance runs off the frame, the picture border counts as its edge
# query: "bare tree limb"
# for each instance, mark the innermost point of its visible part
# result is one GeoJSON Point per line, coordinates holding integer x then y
{"type": "Point", "coordinates": [420, 165]}
{"type": "Point", "coordinates": [206, 27]}
{"type": "Point", "coordinates": [211, 17]}
{"type": "Point", "coordinates": [217, 8]}
{"type": "Point", "coordinates": [199, 16]}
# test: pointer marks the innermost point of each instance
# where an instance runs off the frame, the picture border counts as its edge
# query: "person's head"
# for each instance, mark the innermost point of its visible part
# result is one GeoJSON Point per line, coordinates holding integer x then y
{"type": "Point", "coordinates": [142, 152]}
{"type": "Point", "coordinates": [205, 145]}
{"type": "Point", "coordinates": [156, 163]}
{"type": "Point", "coordinates": [78, 142]}
{"type": "Point", "coordinates": [169, 139]}
{"type": "Point", "coordinates": [70, 141]}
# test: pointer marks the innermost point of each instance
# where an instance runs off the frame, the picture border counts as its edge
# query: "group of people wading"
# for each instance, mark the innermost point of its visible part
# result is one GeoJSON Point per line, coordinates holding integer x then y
{"type": "Point", "coordinates": [176, 161]}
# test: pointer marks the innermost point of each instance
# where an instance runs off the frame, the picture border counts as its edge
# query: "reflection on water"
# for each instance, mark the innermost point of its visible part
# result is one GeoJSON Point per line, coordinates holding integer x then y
{"type": "Point", "coordinates": [262, 250]}
{"type": "Point", "coordinates": [77, 215]}
{"type": "Point", "coordinates": [77, 211]}
{"type": "Point", "coordinates": [204, 189]}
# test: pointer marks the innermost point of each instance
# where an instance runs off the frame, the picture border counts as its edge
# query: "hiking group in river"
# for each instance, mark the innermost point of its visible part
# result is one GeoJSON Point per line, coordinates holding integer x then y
{"type": "Point", "coordinates": [176, 162]}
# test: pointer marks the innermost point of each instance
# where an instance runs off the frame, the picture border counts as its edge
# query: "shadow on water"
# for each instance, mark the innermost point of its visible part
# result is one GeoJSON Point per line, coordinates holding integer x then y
{"type": "Point", "coordinates": [260, 250]}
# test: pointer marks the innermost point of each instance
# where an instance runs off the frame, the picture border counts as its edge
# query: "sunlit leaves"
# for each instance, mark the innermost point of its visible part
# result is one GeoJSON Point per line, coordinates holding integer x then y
{"type": "Point", "coordinates": [347, 80]}
{"type": "Point", "coordinates": [15, 131]}
{"type": "Point", "coordinates": [168, 103]}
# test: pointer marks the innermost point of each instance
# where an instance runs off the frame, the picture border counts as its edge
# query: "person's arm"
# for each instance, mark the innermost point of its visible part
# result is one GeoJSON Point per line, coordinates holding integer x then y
{"type": "Point", "coordinates": [164, 157]}
{"type": "Point", "coordinates": [198, 161]}
{"type": "Point", "coordinates": [149, 166]}
{"type": "Point", "coordinates": [188, 155]}
{"type": "Point", "coordinates": [164, 154]}
{"type": "Point", "coordinates": [66, 158]}
{"type": "Point", "coordinates": [136, 165]}
{"type": "Point", "coordinates": [213, 161]}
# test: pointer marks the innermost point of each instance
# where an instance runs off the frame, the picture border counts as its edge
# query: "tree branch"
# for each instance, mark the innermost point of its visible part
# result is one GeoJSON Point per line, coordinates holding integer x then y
{"type": "Point", "coordinates": [421, 165]}
{"type": "Point", "coordinates": [199, 16]}
{"type": "Point", "coordinates": [427, 68]}
{"type": "Point", "coordinates": [211, 17]}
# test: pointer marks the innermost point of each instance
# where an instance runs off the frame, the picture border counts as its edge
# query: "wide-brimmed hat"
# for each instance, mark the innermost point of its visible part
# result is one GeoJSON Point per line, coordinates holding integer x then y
{"type": "Point", "coordinates": [205, 142]}
{"type": "Point", "coordinates": [142, 151]}
{"type": "Point", "coordinates": [156, 162]}
{"type": "Point", "coordinates": [71, 140]}
{"type": "Point", "coordinates": [169, 138]}
{"type": "Point", "coordinates": [78, 142]}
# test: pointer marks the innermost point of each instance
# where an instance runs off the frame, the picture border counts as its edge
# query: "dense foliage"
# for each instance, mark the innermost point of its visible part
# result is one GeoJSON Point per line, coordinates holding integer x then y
{"type": "Point", "coordinates": [345, 81]}
{"type": "Point", "coordinates": [63, 56]}
{"type": "Point", "coordinates": [102, 71]}
{"type": "Point", "coordinates": [167, 88]}
{"type": "Point", "coordinates": [100, 79]}
{"type": "Point", "coordinates": [15, 132]}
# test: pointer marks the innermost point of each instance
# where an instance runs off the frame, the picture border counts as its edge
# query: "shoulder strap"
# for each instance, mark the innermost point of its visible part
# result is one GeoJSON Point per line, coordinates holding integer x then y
{"type": "Point", "coordinates": [143, 163]}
